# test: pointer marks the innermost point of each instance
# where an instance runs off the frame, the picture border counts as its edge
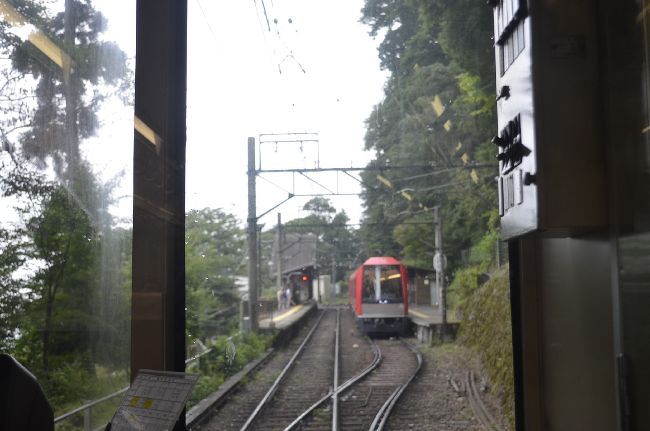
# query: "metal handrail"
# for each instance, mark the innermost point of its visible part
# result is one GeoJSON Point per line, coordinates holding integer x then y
{"type": "Point", "coordinates": [86, 408]}
{"type": "Point", "coordinates": [90, 405]}
{"type": "Point", "coordinates": [197, 357]}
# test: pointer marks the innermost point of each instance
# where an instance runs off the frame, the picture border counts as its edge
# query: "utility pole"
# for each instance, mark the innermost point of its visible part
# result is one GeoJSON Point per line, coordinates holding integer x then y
{"type": "Point", "coordinates": [278, 280]}
{"type": "Point", "coordinates": [259, 259]}
{"type": "Point", "coordinates": [252, 238]}
{"type": "Point", "coordinates": [439, 265]}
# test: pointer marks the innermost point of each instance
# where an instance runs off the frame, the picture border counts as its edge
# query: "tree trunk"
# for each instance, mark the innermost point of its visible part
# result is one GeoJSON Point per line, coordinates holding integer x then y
{"type": "Point", "coordinates": [69, 83]}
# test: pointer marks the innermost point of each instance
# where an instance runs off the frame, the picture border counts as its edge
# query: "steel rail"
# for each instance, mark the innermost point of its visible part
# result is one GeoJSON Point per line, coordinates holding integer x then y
{"type": "Point", "coordinates": [349, 382]}
{"type": "Point", "coordinates": [335, 397]}
{"type": "Point", "coordinates": [384, 412]}
{"type": "Point", "coordinates": [482, 414]}
{"type": "Point", "coordinates": [280, 378]}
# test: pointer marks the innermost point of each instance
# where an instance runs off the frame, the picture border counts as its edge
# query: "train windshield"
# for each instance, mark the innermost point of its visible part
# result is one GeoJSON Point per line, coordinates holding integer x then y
{"type": "Point", "coordinates": [382, 284]}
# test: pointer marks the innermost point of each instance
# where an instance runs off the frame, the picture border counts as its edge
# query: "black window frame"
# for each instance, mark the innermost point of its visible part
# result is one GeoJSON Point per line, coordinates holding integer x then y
{"type": "Point", "coordinates": [158, 292]}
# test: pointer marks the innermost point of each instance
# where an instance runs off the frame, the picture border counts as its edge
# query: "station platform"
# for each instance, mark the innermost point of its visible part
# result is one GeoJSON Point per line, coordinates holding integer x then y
{"type": "Point", "coordinates": [427, 323]}
{"type": "Point", "coordinates": [283, 319]}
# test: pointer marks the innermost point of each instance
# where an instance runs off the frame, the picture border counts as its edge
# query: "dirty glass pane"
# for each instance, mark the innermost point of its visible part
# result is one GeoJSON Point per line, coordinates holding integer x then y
{"type": "Point", "coordinates": [382, 284]}
{"type": "Point", "coordinates": [391, 284]}
{"type": "Point", "coordinates": [66, 131]}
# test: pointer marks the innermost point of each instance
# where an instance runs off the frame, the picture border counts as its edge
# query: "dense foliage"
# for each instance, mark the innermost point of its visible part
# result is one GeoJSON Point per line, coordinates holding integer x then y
{"type": "Point", "coordinates": [228, 355]}
{"type": "Point", "coordinates": [436, 119]}
{"type": "Point", "coordinates": [215, 254]}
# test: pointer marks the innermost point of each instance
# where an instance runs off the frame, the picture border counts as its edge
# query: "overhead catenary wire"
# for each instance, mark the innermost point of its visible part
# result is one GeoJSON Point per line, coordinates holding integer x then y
{"type": "Point", "coordinates": [379, 168]}
{"type": "Point", "coordinates": [317, 183]}
{"type": "Point", "coordinates": [289, 50]}
{"type": "Point", "coordinates": [207, 22]}
{"type": "Point", "coordinates": [271, 51]}
{"type": "Point", "coordinates": [353, 177]}
{"type": "Point", "coordinates": [273, 184]}
{"type": "Point", "coordinates": [428, 174]}
{"type": "Point", "coordinates": [330, 225]}
{"type": "Point", "coordinates": [439, 186]}
{"type": "Point", "coordinates": [266, 16]}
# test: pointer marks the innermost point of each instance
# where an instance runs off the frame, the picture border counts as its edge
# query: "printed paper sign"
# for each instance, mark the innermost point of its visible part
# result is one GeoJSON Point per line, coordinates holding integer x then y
{"type": "Point", "coordinates": [154, 401]}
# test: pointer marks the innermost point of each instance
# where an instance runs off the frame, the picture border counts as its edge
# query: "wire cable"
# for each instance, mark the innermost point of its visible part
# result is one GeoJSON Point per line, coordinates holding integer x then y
{"type": "Point", "coordinates": [273, 184]}
{"type": "Point", "coordinates": [207, 22]}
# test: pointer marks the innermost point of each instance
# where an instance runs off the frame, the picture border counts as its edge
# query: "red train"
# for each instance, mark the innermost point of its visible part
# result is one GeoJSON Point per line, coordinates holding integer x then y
{"type": "Point", "coordinates": [378, 296]}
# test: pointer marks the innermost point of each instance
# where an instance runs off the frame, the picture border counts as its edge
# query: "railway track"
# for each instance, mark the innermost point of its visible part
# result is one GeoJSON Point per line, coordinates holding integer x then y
{"type": "Point", "coordinates": [365, 404]}
{"type": "Point", "coordinates": [306, 378]}
{"type": "Point", "coordinates": [364, 400]}
{"type": "Point", "coordinates": [335, 379]}
{"type": "Point", "coordinates": [233, 413]}
{"type": "Point", "coordinates": [482, 413]}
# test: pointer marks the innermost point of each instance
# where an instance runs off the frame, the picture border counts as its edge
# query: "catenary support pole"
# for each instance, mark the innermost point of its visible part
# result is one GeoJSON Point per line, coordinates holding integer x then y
{"type": "Point", "coordinates": [278, 276]}
{"type": "Point", "coordinates": [259, 259]}
{"type": "Point", "coordinates": [252, 238]}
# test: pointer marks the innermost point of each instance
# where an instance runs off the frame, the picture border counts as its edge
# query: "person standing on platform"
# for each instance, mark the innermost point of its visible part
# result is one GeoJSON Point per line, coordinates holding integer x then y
{"type": "Point", "coordinates": [288, 297]}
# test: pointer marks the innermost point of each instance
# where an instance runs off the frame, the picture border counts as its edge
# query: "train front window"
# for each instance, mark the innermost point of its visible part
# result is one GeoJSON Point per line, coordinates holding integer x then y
{"type": "Point", "coordinates": [382, 284]}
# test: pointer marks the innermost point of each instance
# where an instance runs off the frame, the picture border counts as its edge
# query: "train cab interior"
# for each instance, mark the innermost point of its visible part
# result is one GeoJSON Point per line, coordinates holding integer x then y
{"type": "Point", "coordinates": [572, 87]}
{"type": "Point", "coordinates": [382, 285]}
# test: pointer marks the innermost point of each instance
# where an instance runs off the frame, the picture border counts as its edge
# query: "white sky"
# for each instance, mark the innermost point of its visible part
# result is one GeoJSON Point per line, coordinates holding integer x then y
{"type": "Point", "coordinates": [235, 90]}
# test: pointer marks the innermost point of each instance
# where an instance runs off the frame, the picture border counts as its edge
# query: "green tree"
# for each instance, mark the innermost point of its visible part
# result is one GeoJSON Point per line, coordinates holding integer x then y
{"type": "Point", "coordinates": [341, 247]}
{"type": "Point", "coordinates": [438, 110]}
{"type": "Point", "coordinates": [11, 300]}
{"type": "Point", "coordinates": [27, 188]}
{"type": "Point", "coordinates": [320, 208]}
{"type": "Point", "coordinates": [215, 254]}
{"type": "Point", "coordinates": [97, 68]}
{"type": "Point", "coordinates": [65, 243]}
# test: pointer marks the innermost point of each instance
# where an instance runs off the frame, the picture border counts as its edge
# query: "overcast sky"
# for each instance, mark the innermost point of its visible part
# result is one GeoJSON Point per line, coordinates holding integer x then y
{"type": "Point", "coordinates": [316, 70]}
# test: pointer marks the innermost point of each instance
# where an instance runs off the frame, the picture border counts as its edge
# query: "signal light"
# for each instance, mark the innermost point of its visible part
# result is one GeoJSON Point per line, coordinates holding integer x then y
{"type": "Point", "coordinates": [305, 277]}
